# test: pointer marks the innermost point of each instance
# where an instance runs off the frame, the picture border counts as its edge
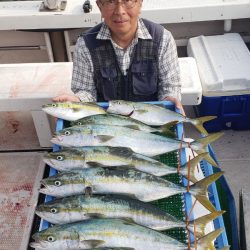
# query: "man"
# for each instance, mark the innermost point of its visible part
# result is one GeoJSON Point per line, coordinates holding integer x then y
{"type": "Point", "coordinates": [125, 57]}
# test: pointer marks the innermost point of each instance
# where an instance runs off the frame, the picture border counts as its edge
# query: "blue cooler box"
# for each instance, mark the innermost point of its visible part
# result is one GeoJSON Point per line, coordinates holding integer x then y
{"type": "Point", "coordinates": [223, 63]}
{"type": "Point", "coordinates": [233, 112]}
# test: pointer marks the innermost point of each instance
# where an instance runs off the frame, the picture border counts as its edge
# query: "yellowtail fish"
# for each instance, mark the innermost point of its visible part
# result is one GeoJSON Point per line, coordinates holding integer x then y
{"type": "Point", "coordinates": [71, 111]}
{"type": "Point", "coordinates": [87, 157]}
{"type": "Point", "coordinates": [81, 207]}
{"type": "Point", "coordinates": [123, 181]}
{"type": "Point", "coordinates": [118, 120]}
{"type": "Point", "coordinates": [139, 141]}
{"type": "Point", "coordinates": [154, 115]}
{"type": "Point", "coordinates": [101, 233]}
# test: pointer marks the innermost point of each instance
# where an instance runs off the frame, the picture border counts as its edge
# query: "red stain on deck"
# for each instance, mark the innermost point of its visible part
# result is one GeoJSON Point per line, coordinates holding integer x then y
{"type": "Point", "coordinates": [15, 125]}
{"type": "Point", "coordinates": [12, 123]}
{"type": "Point", "coordinates": [18, 196]}
{"type": "Point", "coordinates": [25, 187]}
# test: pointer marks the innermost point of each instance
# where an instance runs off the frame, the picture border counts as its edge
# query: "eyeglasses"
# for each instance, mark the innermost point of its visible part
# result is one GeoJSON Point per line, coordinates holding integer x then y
{"type": "Point", "coordinates": [111, 4]}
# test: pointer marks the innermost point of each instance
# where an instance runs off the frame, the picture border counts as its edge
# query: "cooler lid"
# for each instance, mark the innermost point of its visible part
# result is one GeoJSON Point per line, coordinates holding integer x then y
{"type": "Point", "coordinates": [223, 62]}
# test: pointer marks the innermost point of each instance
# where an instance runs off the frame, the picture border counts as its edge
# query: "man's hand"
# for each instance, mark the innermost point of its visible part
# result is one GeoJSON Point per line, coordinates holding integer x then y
{"type": "Point", "coordinates": [66, 98]}
{"type": "Point", "coordinates": [177, 103]}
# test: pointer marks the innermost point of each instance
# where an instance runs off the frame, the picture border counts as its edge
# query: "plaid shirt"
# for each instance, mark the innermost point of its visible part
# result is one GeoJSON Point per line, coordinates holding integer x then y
{"type": "Point", "coordinates": [83, 84]}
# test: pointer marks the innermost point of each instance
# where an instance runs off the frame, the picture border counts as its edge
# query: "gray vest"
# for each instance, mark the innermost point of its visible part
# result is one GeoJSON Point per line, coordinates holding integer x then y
{"type": "Point", "coordinates": [141, 81]}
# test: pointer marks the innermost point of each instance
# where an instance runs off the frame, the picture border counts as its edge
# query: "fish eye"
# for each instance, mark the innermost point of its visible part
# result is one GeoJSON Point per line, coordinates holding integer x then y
{"type": "Point", "coordinates": [51, 238]}
{"type": "Point", "coordinates": [57, 183]}
{"type": "Point", "coordinates": [67, 132]}
{"type": "Point", "coordinates": [79, 123]}
{"type": "Point", "coordinates": [53, 210]}
{"type": "Point", "coordinates": [60, 158]}
{"type": "Point", "coordinates": [53, 105]}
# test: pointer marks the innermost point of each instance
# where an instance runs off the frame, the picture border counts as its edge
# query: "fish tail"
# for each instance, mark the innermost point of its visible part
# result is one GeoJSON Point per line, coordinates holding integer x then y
{"type": "Point", "coordinates": [206, 242]}
{"type": "Point", "coordinates": [199, 190]}
{"type": "Point", "coordinates": [166, 129]}
{"type": "Point", "coordinates": [193, 163]}
{"type": "Point", "coordinates": [201, 222]}
{"type": "Point", "coordinates": [200, 146]}
{"type": "Point", "coordinates": [198, 123]}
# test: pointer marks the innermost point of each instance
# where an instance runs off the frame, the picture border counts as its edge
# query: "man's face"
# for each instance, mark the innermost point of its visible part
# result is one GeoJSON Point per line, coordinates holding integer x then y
{"type": "Point", "coordinates": [120, 19]}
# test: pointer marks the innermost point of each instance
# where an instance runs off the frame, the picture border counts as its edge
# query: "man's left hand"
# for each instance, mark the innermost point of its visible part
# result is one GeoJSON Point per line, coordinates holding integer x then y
{"type": "Point", "coordinates": [177, 103]}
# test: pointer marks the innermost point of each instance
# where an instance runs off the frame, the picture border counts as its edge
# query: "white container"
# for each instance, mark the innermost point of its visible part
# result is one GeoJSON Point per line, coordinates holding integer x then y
{"type": "Point", "coordinates": [191, 90]}
{"type": "Point", "coordinates": [223, 62]}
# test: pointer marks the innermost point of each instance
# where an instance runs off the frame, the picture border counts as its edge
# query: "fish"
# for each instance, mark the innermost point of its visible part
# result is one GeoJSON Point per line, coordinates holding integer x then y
{"type": "Point", "coordinates": [118, 120]}
{"type": "Point", "coordinates": [87, 157]}
{"type": "Point", "coordinates": [81, 207]}
{"type": "Point", "coordinates": [136, 184]}
{"type": "Point", "coordinates": [154, 115]}
{"type": "Point", "coordinates": [139, 141]}
{"type": "Point", "coordinates": [71, 111]}
{"type": "Point", "coordinates": [101, 233]}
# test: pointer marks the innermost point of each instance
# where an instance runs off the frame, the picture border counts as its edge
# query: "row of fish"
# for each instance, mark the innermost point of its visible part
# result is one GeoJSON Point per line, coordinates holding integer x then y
{"type": "Point", "coordinates": [116, 167]}
{"type": "Point", "coordinates": [105, 233]}
{"type": "Point", "coordinates": [140, 113]}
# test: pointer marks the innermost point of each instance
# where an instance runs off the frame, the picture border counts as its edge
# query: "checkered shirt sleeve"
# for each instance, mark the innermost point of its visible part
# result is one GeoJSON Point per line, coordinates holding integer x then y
{"type": "Point", "coordinates": [83, 73]}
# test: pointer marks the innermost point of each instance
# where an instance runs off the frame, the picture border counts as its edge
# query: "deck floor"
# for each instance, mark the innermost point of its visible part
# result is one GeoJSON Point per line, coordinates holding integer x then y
{"type": "Point", "coordinates": [20, 180]}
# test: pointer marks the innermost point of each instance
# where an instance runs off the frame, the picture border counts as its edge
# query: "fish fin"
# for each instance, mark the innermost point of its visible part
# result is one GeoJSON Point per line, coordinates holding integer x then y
{"type": "Point", "coordinates": [169, 124]}
{"type": "Point", "coordinates": [94, 164]}
{"type": "Point", "coordinates": [132, 127]}
{"type": "Point", "coordinates": [208, 158]}
{"type": "Point", "coordinates": [76, 110]}
{"type": "Point", "coordinates": [206, 242]}
{"type": "Point", "coordinates": [95, 215]}
{"type": "Point", "coordinates": [200, 146]}
{"type": "Point", "coordinates": [104, 138]}
{"type": "Point", "coordinates": [198, 123]}
{"type": "Point", "coordinates": [121, 151]}
{"type": "Point", "coordinates": [165, 129]}
{"type": "Point", "coordinates": [201, 222]}
{"type": "Point", "coordinates": [127, 221]}
{"type": "Point", "coordinates": [206, 140]}
{"type": "Point", "coordinates": [92, 243]}
{"type": "Point", "coordinates": [193, 163]}
{"type": "Point", "coordinates": [203, 199]}
{"type": "Point", "coordinates": [199, 190]}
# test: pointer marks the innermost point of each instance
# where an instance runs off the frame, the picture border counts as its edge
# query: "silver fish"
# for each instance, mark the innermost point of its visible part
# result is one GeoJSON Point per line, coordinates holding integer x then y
{"type": "Point", "coordinates": [154, 115]}
{"type": "Point", "coordinates": [71, 111]}
{"type": "Point", "coordinates": [101, 233]}
{"type": "Point", "coordinates": [81, 207]}
{"type": "Point", "coordinates": [118, 120]}
{"type": "Point", "coordinates": [87, 157]}
{"type": "Point", "coordinates": [140, 142]}
{"type": "Point", "coordinates": [136, 184]}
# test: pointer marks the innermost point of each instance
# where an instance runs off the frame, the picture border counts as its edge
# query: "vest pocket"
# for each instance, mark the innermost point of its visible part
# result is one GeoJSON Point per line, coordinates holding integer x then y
{"type": "Point", "coordinates": [144, 78]}
{"type": "Point", "coordinates": [107, 83]}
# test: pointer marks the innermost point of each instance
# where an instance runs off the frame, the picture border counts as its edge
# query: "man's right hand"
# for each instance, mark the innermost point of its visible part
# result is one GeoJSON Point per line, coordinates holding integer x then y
{"type": "Point", "coordinates": [66, 98]}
